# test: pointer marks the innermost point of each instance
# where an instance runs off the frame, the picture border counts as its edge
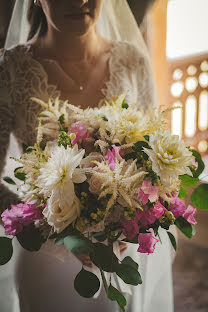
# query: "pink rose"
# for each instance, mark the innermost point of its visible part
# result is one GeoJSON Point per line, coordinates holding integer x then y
{"type": "Point", "coordinates": [80, 131]}
{"type": "Point", "coordinates": [177, 206]}
{"type": "Point", "coordinates": [147, 191]}
{"type": "Point", "coordinates": [18, 216]}
{"type": "Point", "coordinates": [147, 242]}
{"type": "Point", "coordinates": [190, 214]}
{"type": "Point", "coordinates": [111, 156]}
{"type": "Point", "coordinates": [130, 228]}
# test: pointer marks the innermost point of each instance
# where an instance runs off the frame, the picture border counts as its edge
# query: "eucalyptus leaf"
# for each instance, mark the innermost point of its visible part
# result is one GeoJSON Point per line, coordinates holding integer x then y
{"type": "Point", "coordinates": [6, 250]}
{"type": "Point", "coordinates": [78, 244]}
{"type": "Point", "coordinates": [199, 197]}
{"type": "Point", "coordinates": [128, 260]}
{"type": "Point", "coordinates": [103, 257]}
{"type": "Point", "coordinates": [188, 180]}
{"type": "Point", "coordinates": [30, 238]}
{"type": "Point", "coordinates": [115, 295]}
{"type": "Point", "coordinates": [9, 180]}
{"type": "Point", "coordinates": [182, 193]}
{"type": "Point", "coordinates": [100, 236]}
{"type": "Point", "coordinates": [86, 284]}
{"type": "Point", "coordinates": [184, 226]}
{"type": "Point", "coordinates": [173, 240]}
{"type": "Point", "coordinates": [128, 274]}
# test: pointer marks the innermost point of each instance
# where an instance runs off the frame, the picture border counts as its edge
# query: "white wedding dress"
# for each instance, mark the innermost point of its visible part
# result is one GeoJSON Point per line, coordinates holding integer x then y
{"type": "Point", "coordinates": [37, 282]}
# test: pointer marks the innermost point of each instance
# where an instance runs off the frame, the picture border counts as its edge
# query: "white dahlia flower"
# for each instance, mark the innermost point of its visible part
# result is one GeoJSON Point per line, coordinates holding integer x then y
{"type": "Point", "coordinates": [170, 157]}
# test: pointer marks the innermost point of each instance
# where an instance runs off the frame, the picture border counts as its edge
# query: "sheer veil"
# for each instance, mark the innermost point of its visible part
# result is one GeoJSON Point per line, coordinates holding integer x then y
{"type": "Point", "coordinates": [116, 22]}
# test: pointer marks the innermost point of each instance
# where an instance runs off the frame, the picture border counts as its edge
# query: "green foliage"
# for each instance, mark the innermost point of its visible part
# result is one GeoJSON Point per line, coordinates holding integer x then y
{"type": "Point", "coordinates": [138, 146]}
{"type": "Point", "coordinates": [30, 238]}
{"type": "Point", "coordinates": [187, 180]}
{"type": "Point", "coordinates": [61, 119]}
{"type": "Point", "coordinates": [173, 240]}
{"type": "Point", "coordinates": [199, 197]}
{"type": "Point", "coordinates": [182, 193]}
{"type": "Point", "coordinates": [128, 260]}
{"type": "Point", "coordinates": [184, 226]}
{"type": "Point", "coordinates": [78, 244]}
{"type": "Point", "coordinates": [196, 173]}
{"type": "Point", "coordinates": [103, 257]}
{"type": "Point", "coordinates": [9, 180]}
{"type": "Point", "coordinates": [124, 104]}
{"type": "Point", "coordinates": [100, 236]}
{"type": "Point", "coordinates": [19, 175]}
{"type": "Point", "coordinates": [128, 273]}
{"type": "Point", "coordinates": [115, 295]}
{"type": "Point", "coordinates": [86, 284]}
{"type": "Point", "coordinates": [6, 250]}
{"type": "Point", "coordinates": [64, 139]}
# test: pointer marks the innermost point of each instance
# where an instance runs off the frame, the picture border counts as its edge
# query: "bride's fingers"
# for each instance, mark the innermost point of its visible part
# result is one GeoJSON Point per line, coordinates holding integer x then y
{"type": "Point", "coordinates": [84, 259]}
{"type": "Point", "coordinates": [123, 246]}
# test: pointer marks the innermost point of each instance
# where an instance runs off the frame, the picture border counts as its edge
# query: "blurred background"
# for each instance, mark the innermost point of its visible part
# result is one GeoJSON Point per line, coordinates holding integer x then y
{"type": "Point", "coordinates": [175, 33]}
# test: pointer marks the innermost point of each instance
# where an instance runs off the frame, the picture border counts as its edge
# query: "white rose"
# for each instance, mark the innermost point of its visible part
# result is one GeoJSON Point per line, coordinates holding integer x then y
{"type": "Point", "coordinates": [170, 157]}
{"type": "Point", "coordinates": [60, 214]}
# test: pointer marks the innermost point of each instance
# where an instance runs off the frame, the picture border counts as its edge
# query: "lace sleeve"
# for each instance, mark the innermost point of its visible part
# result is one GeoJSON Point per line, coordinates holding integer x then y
{"type": "Point", "coordinates": [6, 126]}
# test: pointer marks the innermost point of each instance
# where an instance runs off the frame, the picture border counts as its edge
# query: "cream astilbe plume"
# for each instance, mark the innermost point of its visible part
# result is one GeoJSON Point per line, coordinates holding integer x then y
{"type": "Point", "coordinates": [53, 109]}
{"type": "Point", "coordinates": [124, 180]}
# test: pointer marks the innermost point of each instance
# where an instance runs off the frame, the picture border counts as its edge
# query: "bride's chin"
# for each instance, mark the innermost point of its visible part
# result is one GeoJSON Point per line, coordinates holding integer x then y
{"type": "Point", "coordinates": [77, 27]}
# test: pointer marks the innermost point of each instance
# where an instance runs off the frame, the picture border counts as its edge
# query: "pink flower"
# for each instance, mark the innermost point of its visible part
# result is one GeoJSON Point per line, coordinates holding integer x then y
{"type": "Point", "coordinates": [111, 156]}
{"type": "Point", "coordinates": [177, 206]}
{"type": "Point", "coordinates": [147, 242]}
{"type": "Point", "coordinates": [131, 228]}
{"type": "Point", "coordinates": [147, 191]}
{"type": "Point", "coordinates": [80, 131]}
{"type": "Point", "coordinates": [18, 216]}
{"type": "Point", "coordinates": [158, 210]}
{"type": "Point", "coordinates": [149, 216]}
{"type": "Point", "coordinates": [190, 214]}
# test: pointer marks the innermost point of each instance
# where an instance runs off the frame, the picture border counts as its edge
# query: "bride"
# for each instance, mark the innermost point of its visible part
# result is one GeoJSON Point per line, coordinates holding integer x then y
{"type": "Point", "coordinates": [85, 51]}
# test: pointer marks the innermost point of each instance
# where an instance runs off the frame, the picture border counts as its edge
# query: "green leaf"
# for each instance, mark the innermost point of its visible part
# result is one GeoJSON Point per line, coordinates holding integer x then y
{"type": "Point", "coordinates": [9, 180]}
{"type": "Point", "coordinates": [124, 104]}
{"type": "Point", "coordinates": [184, 226]}
{"type": "Point", "coordinates": [128, 260]}
{"type": "Point", "coordinates": [86, 284]}
{"type": "Point", "coordinates": [19, 175]}
{"type": "Point", "coordinates": [201, 166]}
{"type": "Point", "coordinates": [173, 240]}
{"type": "Point", "coordinates": [188, 180]}
{"type": "Point", "coordinates": [103, 257]}
{"type": "Point", "coordinates": [199, 197]}
{"type": "Point", "coordinates": [138, 146]}
{"type": "Point", "coordinates": [115, 295]}
{"type": "Point", "coordinates": [30, 238]}
{"type": "Point", "coordinates": [6, 250]}
{"type": "Point", "coordinates": [128, 274]}
{"type": "Point", "coordinates": [78, 244]}
{"type": "Point", "coordinates": [147, 137]}
{"type": "Point", "coordinates": [100, 236]}
{"type": "Point", "coordinates": [182, 193]}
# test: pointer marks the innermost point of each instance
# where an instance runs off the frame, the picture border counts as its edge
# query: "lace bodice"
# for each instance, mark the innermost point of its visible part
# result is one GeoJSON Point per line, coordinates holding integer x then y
{"type": "Point", "coordinates": [23, 77]}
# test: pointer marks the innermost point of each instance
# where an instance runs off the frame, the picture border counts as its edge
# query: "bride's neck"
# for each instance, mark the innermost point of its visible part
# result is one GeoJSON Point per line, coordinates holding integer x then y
{"type": "Point", "coordinates": [70, 47]}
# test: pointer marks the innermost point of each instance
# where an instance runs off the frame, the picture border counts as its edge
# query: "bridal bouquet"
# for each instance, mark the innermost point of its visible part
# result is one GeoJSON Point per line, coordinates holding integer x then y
{"type": "Point", "coordinates": [99, 176]}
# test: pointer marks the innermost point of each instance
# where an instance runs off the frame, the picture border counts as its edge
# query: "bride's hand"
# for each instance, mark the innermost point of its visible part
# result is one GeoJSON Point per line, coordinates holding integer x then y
{"type": "Point", "coordinates": [123, 246]}
{"type": "Point", "coordinates": [84, 259]}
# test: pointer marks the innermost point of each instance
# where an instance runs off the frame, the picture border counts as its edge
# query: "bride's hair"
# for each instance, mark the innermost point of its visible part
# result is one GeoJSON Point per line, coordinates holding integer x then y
{"type": "Point", "coordinates": [36, 19]}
